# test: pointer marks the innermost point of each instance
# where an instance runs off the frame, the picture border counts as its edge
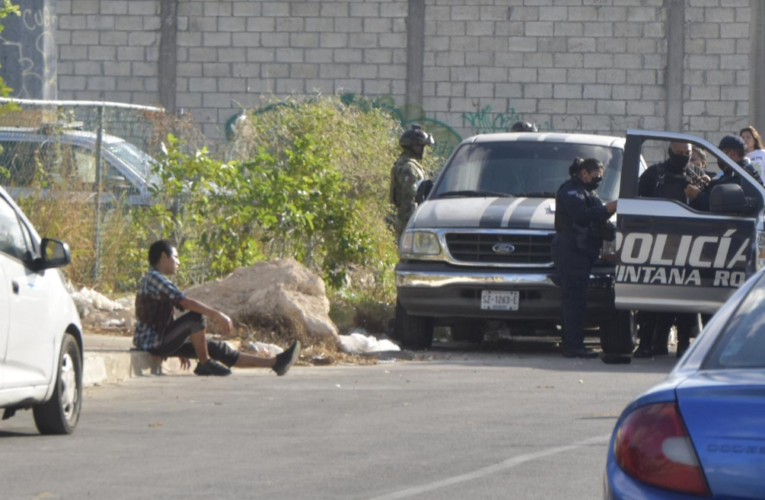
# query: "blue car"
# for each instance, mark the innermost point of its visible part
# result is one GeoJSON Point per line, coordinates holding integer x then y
{"type": "Point", "coordinates": [701, 432]}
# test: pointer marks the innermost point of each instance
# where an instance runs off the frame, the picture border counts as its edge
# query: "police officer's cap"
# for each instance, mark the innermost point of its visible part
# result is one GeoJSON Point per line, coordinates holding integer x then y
{"type": "Point", "coordinates": [523, 127]}
{"type": "Point", "coordinates": [733, 142]}
{"type": "Point", "coordinates": [415, 136]}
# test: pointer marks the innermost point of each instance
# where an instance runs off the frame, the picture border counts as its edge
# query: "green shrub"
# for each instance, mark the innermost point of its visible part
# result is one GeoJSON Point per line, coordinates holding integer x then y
{"type": "Point", "coordinates": [360, 142]}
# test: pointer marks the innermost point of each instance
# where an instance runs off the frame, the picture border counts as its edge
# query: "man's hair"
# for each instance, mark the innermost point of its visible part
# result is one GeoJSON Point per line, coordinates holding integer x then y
{"type": "Point", "coordinates": [157, 249]}
{"type": "Point", "coordinates": [755, 135]}
{"type": "Point", "coordinates": [589, 164]}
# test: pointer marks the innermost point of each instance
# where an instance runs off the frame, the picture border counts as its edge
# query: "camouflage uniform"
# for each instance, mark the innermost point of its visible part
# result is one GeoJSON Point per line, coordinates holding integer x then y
{"type": "Point", "coordinates": [404, 176]}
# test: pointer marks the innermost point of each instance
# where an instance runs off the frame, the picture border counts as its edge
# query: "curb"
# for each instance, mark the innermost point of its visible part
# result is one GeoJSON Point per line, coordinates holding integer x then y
{"type": "Point", "coordinates": [112, 367]}
{"type": "Point", "coordinates": [110, 359]}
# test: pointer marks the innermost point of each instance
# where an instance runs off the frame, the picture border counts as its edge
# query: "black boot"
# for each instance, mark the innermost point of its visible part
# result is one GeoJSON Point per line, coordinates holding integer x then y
{"type": "Point", "coordinates": [642, 352]}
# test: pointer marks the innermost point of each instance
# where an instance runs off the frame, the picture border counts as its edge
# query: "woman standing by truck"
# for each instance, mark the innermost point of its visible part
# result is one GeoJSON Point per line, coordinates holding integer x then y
{"type": "Point", "coordinates": [579, 218]}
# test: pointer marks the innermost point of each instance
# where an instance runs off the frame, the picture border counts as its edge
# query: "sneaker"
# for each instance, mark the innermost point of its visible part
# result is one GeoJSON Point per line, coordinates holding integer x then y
{"type": "Point", "coordinates": [584, 353]}
{"type": "Point", "coordinates": [212, 367]}
{"type": "Point", "coordinates": [284, 360]}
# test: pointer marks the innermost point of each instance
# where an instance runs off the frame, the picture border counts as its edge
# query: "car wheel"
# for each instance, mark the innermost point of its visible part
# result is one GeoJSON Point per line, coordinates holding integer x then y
{"type": "Point", "coordinates": [60, 414]}
{"type": "Point", "coordinates": [414, 332]}
{"type": "Point", "coordinates": [619, 335]}
{"type": "Point", "coordinates": [468, 331]}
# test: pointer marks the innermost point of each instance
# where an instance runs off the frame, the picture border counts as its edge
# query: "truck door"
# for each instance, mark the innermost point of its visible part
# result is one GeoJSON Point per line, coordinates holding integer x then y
{"type": "Point", "coordinates": [671, 257]}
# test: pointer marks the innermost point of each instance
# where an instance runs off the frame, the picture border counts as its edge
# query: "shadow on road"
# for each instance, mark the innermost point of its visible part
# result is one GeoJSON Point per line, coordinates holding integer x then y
{"type": "Point", "coordinates": [541, 353]}
{"type": "Point", "coordinates": [9, 435]}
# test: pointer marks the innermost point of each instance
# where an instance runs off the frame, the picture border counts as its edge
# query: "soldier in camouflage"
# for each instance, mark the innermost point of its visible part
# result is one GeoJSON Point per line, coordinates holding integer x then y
{"type": "Point", "coordinates": [406, 174]}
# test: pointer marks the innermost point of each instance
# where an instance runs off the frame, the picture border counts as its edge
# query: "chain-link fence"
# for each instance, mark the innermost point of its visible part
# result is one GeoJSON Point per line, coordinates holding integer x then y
{"type": "Point", "coordinates": [79, 167]}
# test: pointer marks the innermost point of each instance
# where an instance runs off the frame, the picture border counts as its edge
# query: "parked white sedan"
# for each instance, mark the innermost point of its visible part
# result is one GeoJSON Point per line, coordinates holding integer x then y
{"type": "Point", "coordinates": [40, 330]}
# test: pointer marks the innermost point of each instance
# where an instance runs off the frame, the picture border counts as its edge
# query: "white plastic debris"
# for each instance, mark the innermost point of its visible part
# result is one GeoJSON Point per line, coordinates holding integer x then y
{"type": "Point", "coordinates": [357, 343]}
{"type": "Point", "coordinates": [266, 350]}
{"type": "Point", "coordinates": [92, 298]}
{"type": "Point", "coordinates": [114, 322]}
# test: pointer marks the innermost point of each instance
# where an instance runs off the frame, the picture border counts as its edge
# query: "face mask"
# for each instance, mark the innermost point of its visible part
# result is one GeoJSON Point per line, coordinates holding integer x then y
{"type": "Point", "coordinates": [677, 163]}
{"type": "Point", "coordinates": [594, 183]}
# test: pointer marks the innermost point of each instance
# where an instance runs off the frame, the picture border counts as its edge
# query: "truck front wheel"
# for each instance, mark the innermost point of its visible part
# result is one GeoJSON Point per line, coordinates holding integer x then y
{"type": "Point", "coordinates": [619, 335]}
{"type": "Point", "coordinates": [414, 332]}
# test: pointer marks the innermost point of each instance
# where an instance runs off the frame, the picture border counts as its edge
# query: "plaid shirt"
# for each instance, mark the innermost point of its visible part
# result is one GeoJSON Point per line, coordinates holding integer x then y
{"type": "Point", "coordinates": [155, 302]}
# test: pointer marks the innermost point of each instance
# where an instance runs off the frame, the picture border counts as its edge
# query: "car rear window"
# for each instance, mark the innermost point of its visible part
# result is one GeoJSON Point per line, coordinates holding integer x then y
{"type": "Point", "coordinates": [742, 344]}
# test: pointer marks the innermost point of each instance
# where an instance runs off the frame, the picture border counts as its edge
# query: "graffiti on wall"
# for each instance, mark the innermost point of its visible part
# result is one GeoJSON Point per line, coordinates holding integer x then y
{"type": "Point", "coordinates": [445, 136]}
{"type": "Point", "coordinates": [28, 53]}
{"type": "Point", "coordinates": [483, 121]}
{"type": "Point", "coordinates": [487, 121]}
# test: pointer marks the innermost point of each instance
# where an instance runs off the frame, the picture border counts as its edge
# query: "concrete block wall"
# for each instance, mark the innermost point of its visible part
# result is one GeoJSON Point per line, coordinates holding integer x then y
{"type": "Point", "coordinates": [231, 53]}
{"type": "Point", "coordinates": [716, 90]}
{"type": "Point", "coordinates": [569, 65]}
{"type": "Point", "coordinates": [108, 49]}
{"type": "Point", "coordinates": [595, 66]}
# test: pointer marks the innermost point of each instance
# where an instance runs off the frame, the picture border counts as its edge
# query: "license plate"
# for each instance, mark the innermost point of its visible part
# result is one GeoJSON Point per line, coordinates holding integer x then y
{"type": "Point", "coordinates": [499, 301]}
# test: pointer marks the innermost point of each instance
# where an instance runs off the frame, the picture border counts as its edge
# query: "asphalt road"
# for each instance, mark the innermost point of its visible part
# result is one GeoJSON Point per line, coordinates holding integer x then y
{"type": "Point", "coordinates": [518, 423]}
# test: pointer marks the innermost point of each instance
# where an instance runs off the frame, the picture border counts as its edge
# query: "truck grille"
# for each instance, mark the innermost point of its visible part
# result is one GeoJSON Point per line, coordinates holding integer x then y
{"type": "Point", "coordinates": [478, 248]}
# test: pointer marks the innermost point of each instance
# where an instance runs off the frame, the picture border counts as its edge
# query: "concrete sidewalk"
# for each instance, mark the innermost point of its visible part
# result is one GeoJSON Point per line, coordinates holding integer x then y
{"type": "Point", "coordinates": [109, 359]}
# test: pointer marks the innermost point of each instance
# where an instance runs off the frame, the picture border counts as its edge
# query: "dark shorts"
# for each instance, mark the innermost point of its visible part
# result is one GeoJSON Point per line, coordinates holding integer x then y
{"type": "Point", "coordinates": [176, 343]}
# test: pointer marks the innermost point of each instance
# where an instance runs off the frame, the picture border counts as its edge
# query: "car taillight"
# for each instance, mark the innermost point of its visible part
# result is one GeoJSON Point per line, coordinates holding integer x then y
{"type": "Point", "coordinates": [653, 446]}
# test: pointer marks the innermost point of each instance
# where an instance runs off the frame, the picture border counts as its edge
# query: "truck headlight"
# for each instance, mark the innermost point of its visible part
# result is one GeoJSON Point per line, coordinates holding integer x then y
{"type": "Point", "coordinates": [760, 250]}
{"type": "Point", "coordinates": [419, 243]}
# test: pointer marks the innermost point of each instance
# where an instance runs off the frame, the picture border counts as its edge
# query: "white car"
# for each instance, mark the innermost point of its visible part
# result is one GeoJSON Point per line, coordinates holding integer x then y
{"type": "Point", "coordinates": [40, 332]}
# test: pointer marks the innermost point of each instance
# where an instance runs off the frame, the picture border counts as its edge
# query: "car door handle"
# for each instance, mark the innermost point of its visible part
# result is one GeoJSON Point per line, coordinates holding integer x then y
{"type": "Point", "coordinates": [638, 224]}
{"type": "Point", "coordinates": [15, 287]}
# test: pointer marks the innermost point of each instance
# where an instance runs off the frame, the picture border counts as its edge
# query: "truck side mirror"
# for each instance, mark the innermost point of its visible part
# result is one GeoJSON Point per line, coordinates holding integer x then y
{"type": "Point", "coordinates": [728, 199]}
{"type": "Point", "coordinates": [423, 190]}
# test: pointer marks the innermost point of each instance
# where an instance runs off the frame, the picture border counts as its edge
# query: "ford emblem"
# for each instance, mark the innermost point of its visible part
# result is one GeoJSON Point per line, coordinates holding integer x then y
{"type": "Point", "coordinates": [503, 248]}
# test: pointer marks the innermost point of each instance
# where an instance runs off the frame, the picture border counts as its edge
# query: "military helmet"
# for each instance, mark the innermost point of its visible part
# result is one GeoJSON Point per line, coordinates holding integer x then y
{"type": "Point", "coordinates": [415, 136]}
{"type": "Point", "coordinates": [523, 127]}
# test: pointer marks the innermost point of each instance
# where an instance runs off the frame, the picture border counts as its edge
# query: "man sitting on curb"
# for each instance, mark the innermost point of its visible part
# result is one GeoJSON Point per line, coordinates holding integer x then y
{"type": "Point", "coordinates": [157, 332]}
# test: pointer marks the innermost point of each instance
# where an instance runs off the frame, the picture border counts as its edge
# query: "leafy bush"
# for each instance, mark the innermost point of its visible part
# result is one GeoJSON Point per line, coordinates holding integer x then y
{"type": "Point", "coordinates": [360, 142]}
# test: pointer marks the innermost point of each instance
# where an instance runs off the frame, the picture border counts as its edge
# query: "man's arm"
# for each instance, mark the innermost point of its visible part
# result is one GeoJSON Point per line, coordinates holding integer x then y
{"type": "Point", "coordinates": [408, 182]}
{"type": "Point", "coordinates": [580, 213]}
{"type": "Point", "coordinates": [202, 308]}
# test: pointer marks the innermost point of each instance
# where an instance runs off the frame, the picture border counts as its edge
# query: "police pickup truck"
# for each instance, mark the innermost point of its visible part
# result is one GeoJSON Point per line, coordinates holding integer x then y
{"type": "Point", "coordinates": [478, 248]}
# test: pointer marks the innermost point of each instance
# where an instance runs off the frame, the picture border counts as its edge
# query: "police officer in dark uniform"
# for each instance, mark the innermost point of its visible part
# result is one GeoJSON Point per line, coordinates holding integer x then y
{"type": "Point", "coordinates": [671, 179]}
{"type": "Point", "coordinates": [735, 148]}
{"type": "Point", "coordinates": [579, 217]}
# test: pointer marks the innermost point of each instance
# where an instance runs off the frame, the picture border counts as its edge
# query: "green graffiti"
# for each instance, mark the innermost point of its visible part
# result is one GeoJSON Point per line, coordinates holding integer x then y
{"type": "Point", "coordinates": [446, 137]}
{"type": "Point", "coordinates": [483, 121]}
{"type": "Point", "coordinates": [487, 121]}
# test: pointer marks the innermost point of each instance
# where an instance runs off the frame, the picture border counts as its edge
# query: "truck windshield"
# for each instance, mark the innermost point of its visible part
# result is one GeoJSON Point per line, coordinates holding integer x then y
{"type": "Point", "coordinates": [531, 169]}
